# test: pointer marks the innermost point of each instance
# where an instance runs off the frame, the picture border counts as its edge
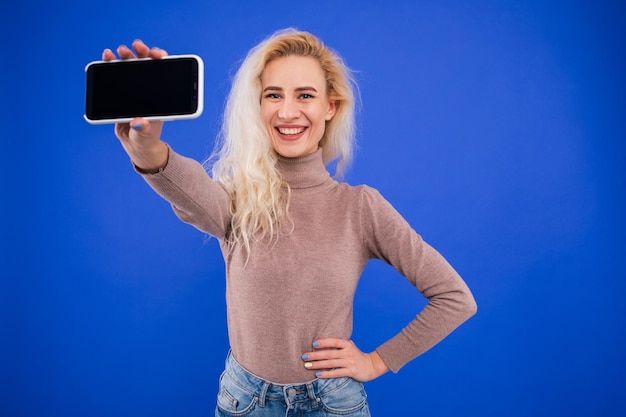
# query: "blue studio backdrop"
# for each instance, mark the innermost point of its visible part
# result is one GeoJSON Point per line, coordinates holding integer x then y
{"type": "Point", "coordinates": [495, 127]}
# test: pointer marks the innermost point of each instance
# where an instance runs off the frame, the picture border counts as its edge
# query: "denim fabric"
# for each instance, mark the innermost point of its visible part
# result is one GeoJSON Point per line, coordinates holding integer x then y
{"type": "Point", "coordinates": [244, 394]}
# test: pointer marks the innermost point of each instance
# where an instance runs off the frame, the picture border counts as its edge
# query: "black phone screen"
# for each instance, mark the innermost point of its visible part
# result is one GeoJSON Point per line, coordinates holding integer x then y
{"type": "Point", "coordinates": [142, 88]}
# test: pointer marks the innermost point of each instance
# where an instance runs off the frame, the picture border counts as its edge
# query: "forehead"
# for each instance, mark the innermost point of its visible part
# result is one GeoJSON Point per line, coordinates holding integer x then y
{"type": "Point", "coordinates": [293, 71]}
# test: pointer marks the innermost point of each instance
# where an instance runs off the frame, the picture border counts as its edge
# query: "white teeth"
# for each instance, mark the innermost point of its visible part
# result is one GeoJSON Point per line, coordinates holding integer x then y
{"type": "Point", "coordinates": [291, 130]}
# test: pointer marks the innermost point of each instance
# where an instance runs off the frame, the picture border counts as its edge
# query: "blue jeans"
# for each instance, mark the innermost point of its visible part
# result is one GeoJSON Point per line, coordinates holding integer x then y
{"type": "Point", "coordinates": [244, 394]}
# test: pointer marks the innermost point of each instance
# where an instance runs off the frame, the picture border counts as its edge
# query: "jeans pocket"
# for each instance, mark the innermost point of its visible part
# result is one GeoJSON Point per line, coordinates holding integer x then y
{"type": "Point", "coordinates": [232, 399]}
{"type": "Point", "coordinates": [347, 397]}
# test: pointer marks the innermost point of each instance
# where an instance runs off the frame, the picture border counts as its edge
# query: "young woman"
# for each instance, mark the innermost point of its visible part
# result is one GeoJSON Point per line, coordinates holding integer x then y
{"type": "Point", "coordinates": [295, 240]}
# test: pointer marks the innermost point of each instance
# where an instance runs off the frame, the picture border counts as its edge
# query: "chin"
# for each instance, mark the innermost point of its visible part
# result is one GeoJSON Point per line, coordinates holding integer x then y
{"type": "Point", "coordinates": [289, 154]}
{"type": "Point", "coordinates": [293, 151]}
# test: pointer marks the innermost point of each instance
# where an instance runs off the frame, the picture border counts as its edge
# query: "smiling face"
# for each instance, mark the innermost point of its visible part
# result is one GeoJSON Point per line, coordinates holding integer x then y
{"type": "Point", "coordinates": [295, 105]}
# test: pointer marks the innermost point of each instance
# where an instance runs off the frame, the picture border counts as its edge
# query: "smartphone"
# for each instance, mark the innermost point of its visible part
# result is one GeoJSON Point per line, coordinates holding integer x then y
{"type": "Point", "coordinates": [170, 88]}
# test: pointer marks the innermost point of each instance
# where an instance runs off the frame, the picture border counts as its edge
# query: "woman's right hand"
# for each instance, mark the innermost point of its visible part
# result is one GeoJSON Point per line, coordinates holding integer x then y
{"type": "Point", "coordinates": [141, 138]}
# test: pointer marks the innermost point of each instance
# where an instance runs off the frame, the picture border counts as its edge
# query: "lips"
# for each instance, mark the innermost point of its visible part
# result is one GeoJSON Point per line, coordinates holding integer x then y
{"type": "Point", "coordinates": [290, 132]}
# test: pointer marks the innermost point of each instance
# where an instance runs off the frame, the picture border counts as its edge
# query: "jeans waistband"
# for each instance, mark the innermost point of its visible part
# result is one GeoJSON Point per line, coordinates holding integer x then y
{"type": "Point", "coordinates": [290, 393]}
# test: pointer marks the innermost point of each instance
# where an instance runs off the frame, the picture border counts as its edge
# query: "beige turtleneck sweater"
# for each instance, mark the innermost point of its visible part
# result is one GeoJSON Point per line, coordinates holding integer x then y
{"type": "Point", "coordinates": [301, 288]}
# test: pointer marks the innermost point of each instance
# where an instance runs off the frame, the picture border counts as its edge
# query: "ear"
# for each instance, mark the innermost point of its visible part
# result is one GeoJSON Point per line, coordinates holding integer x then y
{"type": "Point", "coordinates": [332, 108]}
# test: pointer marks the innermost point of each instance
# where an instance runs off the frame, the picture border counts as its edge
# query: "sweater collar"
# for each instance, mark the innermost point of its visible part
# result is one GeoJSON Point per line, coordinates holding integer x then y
{"type": "Point", "coordinates": [303, 172]}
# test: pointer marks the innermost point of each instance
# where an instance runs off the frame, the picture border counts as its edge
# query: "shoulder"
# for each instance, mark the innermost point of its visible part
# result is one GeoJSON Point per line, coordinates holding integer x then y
{"type": "Point", "coordinates": [359, 191]}
{"type": "Point", "coordinates": [368, 196]}
{"type": "Point", "coordinates": [368, 200]}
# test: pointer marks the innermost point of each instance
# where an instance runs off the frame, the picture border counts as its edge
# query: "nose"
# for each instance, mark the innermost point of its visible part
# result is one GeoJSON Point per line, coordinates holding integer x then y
{"type": "Point", "coordinates": [288, 110]}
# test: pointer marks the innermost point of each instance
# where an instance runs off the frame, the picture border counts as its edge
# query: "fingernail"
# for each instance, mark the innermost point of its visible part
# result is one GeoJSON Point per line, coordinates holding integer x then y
{"type": "Point", "coordinates": [308, 365]}
{"type": "Point", "coordinates": [305, 357]}
{"type": "Point", "coordinates": [316, 344]}
{"type": "Point", "coordinates": [318, 374]}
{"type": "Point", "coordinates": [137, 126]}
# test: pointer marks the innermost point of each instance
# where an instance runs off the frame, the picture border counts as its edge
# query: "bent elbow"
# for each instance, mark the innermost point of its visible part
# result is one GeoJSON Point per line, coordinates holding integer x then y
{"type": "Point", "coordinates": [470, 307]}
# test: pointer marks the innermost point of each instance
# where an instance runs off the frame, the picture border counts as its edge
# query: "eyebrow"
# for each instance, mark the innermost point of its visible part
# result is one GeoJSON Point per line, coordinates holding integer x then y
{"type": "Point", "coordinates": [273, 88]}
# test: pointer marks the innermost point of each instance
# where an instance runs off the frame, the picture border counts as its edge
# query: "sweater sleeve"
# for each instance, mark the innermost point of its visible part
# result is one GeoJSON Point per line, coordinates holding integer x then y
{"type": "Point", "coordinates": [195, 198]}
{"type": "Point", "coordinates": [389, 237]}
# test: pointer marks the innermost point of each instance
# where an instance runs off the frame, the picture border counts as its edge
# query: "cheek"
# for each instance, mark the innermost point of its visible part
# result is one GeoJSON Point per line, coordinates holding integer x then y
{"type": "Point", "coordinates": [267, 109]}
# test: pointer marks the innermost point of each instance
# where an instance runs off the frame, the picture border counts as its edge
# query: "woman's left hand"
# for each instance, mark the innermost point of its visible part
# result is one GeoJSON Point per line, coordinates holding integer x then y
{"type": "Point", "coordinates": [341, 358]}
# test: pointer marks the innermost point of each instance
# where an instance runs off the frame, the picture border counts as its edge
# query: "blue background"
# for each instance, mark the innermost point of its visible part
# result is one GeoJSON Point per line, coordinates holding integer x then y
{"type": "Point", "coordinates": [495, 127]}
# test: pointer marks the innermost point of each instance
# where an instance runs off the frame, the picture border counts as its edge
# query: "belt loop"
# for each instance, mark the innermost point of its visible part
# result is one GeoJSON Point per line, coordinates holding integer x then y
{"type": "Point", "coordinates": [263, 393]}
{"type": "Point", "coordinates": [311, 391]}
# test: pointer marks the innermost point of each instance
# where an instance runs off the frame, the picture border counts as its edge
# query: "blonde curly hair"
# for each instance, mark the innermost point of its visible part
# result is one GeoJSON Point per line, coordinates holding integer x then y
{"type": "Point", "coordinates": [244, 161]}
